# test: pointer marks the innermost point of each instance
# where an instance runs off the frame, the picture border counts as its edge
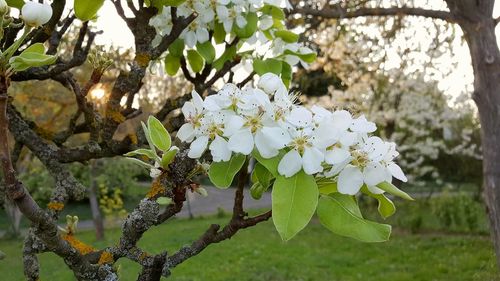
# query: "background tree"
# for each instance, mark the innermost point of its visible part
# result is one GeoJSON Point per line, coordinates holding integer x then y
{"type": "Point", "coordinates": [475, 18]}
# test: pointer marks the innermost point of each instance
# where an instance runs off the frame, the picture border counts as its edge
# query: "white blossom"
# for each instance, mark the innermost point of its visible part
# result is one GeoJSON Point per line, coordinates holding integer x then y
{"type": "Point", "coordinates": [266, 120]}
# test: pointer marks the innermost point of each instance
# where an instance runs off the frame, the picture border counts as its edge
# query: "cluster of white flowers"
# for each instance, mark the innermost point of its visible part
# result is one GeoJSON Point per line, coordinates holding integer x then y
{"type": "Point", "coordinates": [266, 120]}
{"type": "Point", "coordinates": [231, 13]}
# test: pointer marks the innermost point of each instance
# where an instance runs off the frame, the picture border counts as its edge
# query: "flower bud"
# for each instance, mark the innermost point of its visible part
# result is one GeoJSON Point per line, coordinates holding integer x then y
{"type": "Point", "coordinates": [270, 82]}
{"type": "Point", "coordinates": [36, 14]}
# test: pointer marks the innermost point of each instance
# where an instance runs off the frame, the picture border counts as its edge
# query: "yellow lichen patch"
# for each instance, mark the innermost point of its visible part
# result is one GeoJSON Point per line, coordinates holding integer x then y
{"type": "Point", "coordinates": [106, 257]}
{"type": "Point", "coordinates": [56, 206]}
{"type": "Point", "coordinates": [115, 116]}
{"type": "Point", "coordinates": [143, 256]}
{"type": "Point", "coordinates": [142, 59]}
{"type": "Point", "coordinates": [133, 138]}
{"type": "Point", "coordinates": [78, 245]}
{"type": "Point", "coordinates": [156, 188]}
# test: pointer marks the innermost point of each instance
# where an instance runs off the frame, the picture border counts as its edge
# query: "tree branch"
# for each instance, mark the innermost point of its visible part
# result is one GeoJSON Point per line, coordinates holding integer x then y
{"type": "Point", "coordinates": [342, 13]}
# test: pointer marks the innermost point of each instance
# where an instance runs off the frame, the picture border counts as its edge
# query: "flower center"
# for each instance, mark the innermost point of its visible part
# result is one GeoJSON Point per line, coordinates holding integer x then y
{"type": "Point", "coordinates": [215, 130]}
{"type": "Point", "coordinates": [195, 120]}
{"type": "Point", "coordinates": [360, 159]}
{"type": "Point", "coordinates": [254, 123]}
{"type": "Point", "coordinates": [300, 143]}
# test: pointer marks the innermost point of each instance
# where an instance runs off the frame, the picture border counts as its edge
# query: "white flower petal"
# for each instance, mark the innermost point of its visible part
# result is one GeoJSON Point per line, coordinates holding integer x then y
{"type": "Point", "coordinates": [290, 164]}
{"type": "Point", "coordinates": [324, 135]}
{"type": "Point", "coordinates": [348, 138]}
{"type": "Point", "coordinates": [190, 38]}
{"type": "Point", "coordinates": [361, 125]}
{"type": "Point", "coordinates": [222, 12]}
{"type": "Point", "coordinates": [186, 133]}
{"type": "Point", "coordinates": [311, 161]}
{"type": "Point", "coordinates": [197, 101]}
{"type": "Point", "coordinates": [341, 120]}
{"type": "Point", "coordinates": [263, 146]}
{"type": "Point", "coordinates": [320, 112]}
{"type": "Point", "coordinates": [396, 172]}
{"type": "Point", "coordinates": [336, 155]}
{"type": "Point", "coordinates": [188, 110]}
{"type": "Point", "coordinates": [374, 173]}
{"type": "Point", "coordinates": [212, 103]}
{"type": "Point", "coordinates": [202, 35]}
{"type": "Point", "coordinates": [241, 142]}
{"type": "Point", "coordinates": [197, 147]}
{"type": "Point", "coordinates": [276, 136]}
{"type": "Point", "coordinates": [300, 117]}
{"type": "Point", "coordinates": [337, 168]}
{"type": "Point", "coordinates": [233, 125]}
{"type": "Point", "coordinates": [219, 149]}
{"type": "Point", "coordinates": [350, 180]}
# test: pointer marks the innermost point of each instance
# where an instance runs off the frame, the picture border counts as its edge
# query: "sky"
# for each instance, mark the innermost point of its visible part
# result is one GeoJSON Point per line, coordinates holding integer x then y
{"type": "Point", "coordinates": [459, 80]}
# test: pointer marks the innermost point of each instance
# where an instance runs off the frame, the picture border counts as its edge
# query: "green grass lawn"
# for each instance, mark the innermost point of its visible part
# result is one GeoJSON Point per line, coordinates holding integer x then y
{"type": "Point", "coordinates": [315, 254]}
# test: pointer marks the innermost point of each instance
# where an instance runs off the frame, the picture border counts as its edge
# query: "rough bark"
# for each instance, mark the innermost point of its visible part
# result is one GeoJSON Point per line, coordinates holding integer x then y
{"type": "Point", "coordinates": [479, 28]}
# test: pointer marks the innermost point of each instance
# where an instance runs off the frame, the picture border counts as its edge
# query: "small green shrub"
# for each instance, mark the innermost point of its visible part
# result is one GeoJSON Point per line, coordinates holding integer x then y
{"type": "Point", "coordinates": [457, 211]}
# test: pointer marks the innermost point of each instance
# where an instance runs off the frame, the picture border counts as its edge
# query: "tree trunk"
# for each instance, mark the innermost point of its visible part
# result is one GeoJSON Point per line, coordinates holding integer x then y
{"type": "Point", "coordinates": [94, 204]}
{"type": "Point", "coordinates": [15, 216]}
{"type": "Point", "coordinates": [480, 36]}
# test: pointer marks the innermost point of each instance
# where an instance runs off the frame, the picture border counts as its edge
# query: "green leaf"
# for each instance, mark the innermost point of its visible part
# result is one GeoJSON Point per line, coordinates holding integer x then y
{"type": "Point", "coordinates": [26, 60]}
{"type": "Point", "coordinates": [195, 60]}
{"type": "Point", "coordinates": [158, 134]}
{"type": "Point", "coordinates": [327, 187]}
{"type": "Point", "coordinates": [168, 157]}
{"type": "Point", "coordinates": [146, 152]}
{"type": "Point", "coordinates": [257, 190]}
{"type": "Point", "coordinates": [278, 24]}
{"type": "Point", "coordinates": [221, 174]}
{"type": "Point", "coordinates": [15, 3]}
{"type": "Point", "coordinates": [294, 201]}
{"type": "Point", "coordinates": [390, 188]}
{"type": "Point", "coordinates": [140, 163]}
{"type": "Point", "coordinates": [172, 64]}
{"type": "Point", "coordinates": [262, 175]}
{"type": "Point", "coordinates": [176, 49]}
{"type": "Point", "coordinates": [309, 57]}
{"type": "Point", "coordinates": [35, 48]}
{"type": "Point", "coordinates": [174, 3]}
{"type": "Point", "coordinates": [249, 29]}
{"type": "Point", "coordinates": [228, 54]}
{"type": "Point", "coordinates": [269, 65]}
{"type": "Point", "coordinates": [275, 12]}
{"type": "Point", "coordinates": [87, 9]}
{"type": "Point", "coordinates": [341, 215]}
{"type": "Point", "coordinates": [164, 201]}
{"type": "Point", "coordinates": [287, 36]}
{"type": "Point", "coordinates": [286, 73]}
{"type": "Point", "coordinates": [271, 164]}
{"type": "Point", "coordinates": [219, 33]}
{"type": "Point", "coordinates": [207, 51]}
{"type": "Point", "coordinates": [147, 134]}
{"type": "Point", "coordinates": [386, 207]}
